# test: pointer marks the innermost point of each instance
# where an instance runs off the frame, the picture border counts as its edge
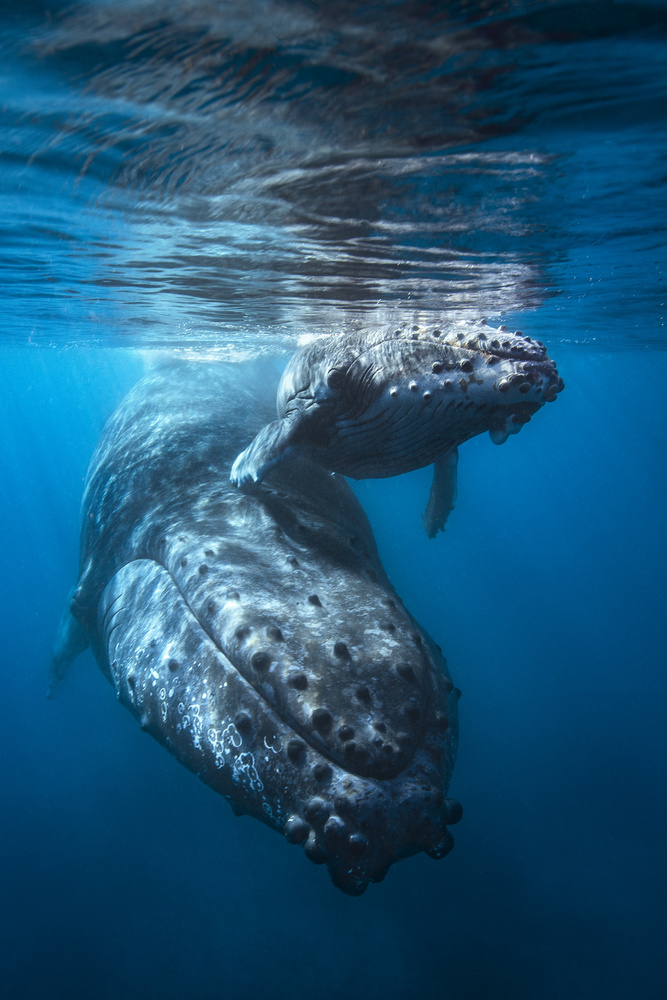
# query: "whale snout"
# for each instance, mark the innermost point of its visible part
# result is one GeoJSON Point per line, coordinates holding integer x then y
{"type": "Point", "coordinates": [521, 364]}
{"type": "Point", "coordinates": [521, 385]}
{"type": "Point", "coordinates": [529, 381]}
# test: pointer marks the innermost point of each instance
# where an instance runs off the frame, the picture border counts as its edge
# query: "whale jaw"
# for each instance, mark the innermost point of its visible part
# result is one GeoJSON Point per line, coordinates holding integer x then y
{"type": "Point", "coordinates": [342, 742]}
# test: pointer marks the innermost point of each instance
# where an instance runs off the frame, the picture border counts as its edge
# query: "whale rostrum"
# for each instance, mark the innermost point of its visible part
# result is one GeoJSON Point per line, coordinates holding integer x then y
{"type": "Point", "coordinates": [254, 632]}
{"type": "Point", "coordinates": [371, 405]}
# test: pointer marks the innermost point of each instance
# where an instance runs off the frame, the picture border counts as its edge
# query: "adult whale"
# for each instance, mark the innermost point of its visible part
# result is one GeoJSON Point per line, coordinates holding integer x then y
{"type": "Point", "coordinates": [371, 405]}
{"type": "Point", "coordinates": [255, 633]}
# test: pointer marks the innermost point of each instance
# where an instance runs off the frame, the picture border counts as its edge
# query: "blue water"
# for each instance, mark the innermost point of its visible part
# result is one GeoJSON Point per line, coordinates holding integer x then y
{"type": "Point", "coordinates": [219, 179]}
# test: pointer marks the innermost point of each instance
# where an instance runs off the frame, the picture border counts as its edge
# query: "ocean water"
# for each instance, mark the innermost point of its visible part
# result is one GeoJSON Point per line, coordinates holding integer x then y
{"type": "Point", "coordinates": [219, 179]}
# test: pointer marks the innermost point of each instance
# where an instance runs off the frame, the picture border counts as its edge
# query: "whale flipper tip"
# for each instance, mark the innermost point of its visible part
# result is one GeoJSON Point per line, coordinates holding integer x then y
{"type": "Point", "coordinates": [442, 498]}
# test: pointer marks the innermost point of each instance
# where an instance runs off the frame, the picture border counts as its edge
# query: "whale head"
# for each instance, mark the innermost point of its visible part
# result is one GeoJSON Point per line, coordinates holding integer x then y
{"type": "Point", "coordinates": [380, 405]}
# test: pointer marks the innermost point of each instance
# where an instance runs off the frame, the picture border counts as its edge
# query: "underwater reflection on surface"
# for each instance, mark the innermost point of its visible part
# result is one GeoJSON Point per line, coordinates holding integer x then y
{"type": "Point", "coordinates": [237, 173]}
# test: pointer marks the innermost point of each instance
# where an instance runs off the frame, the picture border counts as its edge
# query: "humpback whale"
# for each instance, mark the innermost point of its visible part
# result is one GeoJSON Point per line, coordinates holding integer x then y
{"type": "Point", "coordinates": [254, 632]}
{"type": "Point", "coordinates": [370, 405]}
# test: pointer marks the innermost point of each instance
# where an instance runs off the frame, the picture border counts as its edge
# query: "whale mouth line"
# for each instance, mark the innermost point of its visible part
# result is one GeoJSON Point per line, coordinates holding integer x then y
{"type": "Point", "coordinates": [509, 420]}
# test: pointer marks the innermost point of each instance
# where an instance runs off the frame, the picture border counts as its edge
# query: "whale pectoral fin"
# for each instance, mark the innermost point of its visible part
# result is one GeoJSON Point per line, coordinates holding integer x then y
{"type": "Point", "coordinates": [71, 640]}
{"type": "Point", "coordinates": [442, 498]}
{"type": "Point", "coordinates": [272, 444]}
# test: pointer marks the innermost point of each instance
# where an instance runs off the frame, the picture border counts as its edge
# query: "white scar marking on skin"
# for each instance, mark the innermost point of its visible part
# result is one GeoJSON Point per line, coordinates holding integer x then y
{"type": "Point", "coordinates": [275, 746]}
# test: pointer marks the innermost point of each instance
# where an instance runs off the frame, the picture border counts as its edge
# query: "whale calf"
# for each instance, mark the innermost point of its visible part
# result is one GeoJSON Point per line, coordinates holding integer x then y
{"type": "Point", "coordinates": [371, 405]}
{"type": "Point", "coordinates": [255, 633]}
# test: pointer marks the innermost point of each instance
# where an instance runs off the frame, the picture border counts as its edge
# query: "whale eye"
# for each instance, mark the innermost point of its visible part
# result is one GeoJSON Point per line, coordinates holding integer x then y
{"type": "Point", "coordinates": [335, 378]}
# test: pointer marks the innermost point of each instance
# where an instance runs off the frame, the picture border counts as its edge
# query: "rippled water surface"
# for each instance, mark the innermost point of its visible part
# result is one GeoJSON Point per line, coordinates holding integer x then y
{"type": "Point", "coordinates": [221, 179]}
{"type": "Point", "coordinates": [231, 173]}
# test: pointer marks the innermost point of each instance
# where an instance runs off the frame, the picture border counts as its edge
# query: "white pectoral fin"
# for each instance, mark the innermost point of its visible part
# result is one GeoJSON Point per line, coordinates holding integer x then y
{"type": "Point", "coordinates": [269, 447]}
{"type": "Point", "coordinates": [442, 498]}
{"type": "Point", "coordinates": [71, 640]}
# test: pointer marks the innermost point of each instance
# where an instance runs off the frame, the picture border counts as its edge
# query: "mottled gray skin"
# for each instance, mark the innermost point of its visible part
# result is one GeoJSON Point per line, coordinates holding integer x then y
{"type": "Point", "coordinates": [376, 405]}
{"type": "Point", "coordinates": [256, 635]}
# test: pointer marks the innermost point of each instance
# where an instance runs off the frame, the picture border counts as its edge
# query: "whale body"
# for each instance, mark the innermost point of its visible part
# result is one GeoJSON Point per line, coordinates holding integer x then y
{"type": "Point", "coordinates": [371, 405]}
{"type": "Point", "coordinates": [254, 632]}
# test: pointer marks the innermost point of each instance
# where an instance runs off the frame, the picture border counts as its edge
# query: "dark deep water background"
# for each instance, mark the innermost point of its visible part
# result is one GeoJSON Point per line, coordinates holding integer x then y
{"type": "Point", "coordinates": [218, 179]}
